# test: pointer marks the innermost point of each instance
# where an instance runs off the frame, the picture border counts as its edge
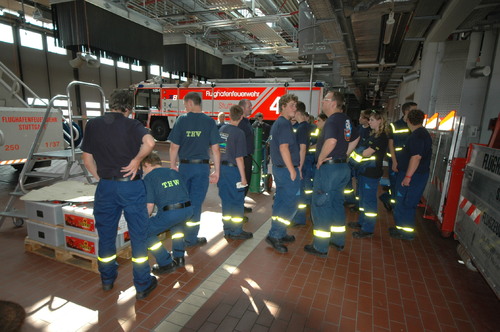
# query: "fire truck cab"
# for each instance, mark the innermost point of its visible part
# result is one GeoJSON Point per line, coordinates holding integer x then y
{"type": "Point", "coordinates": [159, 105]}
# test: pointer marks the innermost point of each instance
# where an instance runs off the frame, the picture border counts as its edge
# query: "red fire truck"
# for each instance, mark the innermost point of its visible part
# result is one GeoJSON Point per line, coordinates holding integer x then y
{"type": "Point", "coordinates": [159, 105]}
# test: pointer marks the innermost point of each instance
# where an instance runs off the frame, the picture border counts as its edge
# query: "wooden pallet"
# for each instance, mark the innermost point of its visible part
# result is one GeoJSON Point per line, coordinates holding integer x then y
{"type": "Point", "coordinates": [61, 254]}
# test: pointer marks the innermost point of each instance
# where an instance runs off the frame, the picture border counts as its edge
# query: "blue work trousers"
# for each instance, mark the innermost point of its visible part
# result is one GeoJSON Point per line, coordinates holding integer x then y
{"type": "Point", "coordinates": [285, 201]}
{"type": "Point", "coordinates": [196, 178]}
{"type": "Point", "coordinates": [173, 220]}
{"type": "Point", "coordinates": [368, 211]}
{"type": "Point", "coordinates": [305, 193]}
{"type": "Point", "coordinates": [328, 205]}
{"type": "Point", "coordinates": [308, 176]}
{"type": "Point", "coordinates": [351, 193]}
{"type": "Point", "coordinates": [232, 200]}
{"type": "Point", "coordinates": [390, 197]}
{"type": "Point", "coordinates": [111, 199]}
{"type": "Point", "coordinates": [407, 199]}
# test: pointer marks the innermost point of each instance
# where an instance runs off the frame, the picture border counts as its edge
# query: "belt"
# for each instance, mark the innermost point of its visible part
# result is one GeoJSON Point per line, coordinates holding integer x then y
{"type": "Point", "coordinates": [176, 206]}
{"type": "Point", "coordinates": [121, 178]}
{"type": "Point", "coordinates": [335, 161]}
{"type": "Point", "coordinates": [284, 166]}
{"type": "Point", "coordinates": [195, 161]}
{"type": "Point", "coordinates": [227, 163]}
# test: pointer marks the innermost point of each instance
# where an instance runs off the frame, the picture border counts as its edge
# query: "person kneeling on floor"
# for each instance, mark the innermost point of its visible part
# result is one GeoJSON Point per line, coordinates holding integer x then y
{"type": "Point", "coordinates": [166, 190]}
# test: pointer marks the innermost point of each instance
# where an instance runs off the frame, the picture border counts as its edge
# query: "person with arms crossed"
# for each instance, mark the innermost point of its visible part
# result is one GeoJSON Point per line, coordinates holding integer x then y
{"type": "Point", "coordinates": [193, 134]}
{"type": "Point", "coordinates": [285, 158]}
{"type": "Point", "coordinates": [113, 148]}
{"type": "Point", "coordinates": [337, 140]}
{"type": "Point", "coordinates": [166, 190]}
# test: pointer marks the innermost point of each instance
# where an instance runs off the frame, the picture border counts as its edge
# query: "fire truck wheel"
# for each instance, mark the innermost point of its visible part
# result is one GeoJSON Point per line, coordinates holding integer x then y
{"type": "Point", "coordinates": [160, 130]}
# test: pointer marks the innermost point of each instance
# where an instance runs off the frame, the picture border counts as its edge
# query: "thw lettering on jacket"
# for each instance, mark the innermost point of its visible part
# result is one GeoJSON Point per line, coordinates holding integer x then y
{"type": "Point", "coordinates": [193, 133]}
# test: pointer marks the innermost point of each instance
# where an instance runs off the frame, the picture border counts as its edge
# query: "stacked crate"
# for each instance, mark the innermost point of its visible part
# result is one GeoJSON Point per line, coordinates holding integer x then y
{"type": "Point", "coordinates": [45, 222]}
{"type": "Point", "coordinates": [80, 233]}
{"type": "Point", "coordinates": [72, 227]}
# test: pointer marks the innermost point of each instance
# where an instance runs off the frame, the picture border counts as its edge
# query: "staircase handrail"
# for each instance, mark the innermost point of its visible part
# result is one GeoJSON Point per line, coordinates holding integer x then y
{"type": "Point", "coordinates": [70, 111]}
{"type": "Point", "coordinates": [41, 131]}
{"type": "Point", "coordinates": [18, 81]}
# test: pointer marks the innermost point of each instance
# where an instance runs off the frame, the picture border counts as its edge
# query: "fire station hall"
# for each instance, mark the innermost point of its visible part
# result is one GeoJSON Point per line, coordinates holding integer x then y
{"type": "Point", "coordinates": [249, 165]}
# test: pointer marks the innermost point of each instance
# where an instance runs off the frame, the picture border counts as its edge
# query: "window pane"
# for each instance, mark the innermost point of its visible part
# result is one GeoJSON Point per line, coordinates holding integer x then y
{"type": "Point", "coordinates": [53, 46]}
{"type": "Point", "coordinates": [31, 39]}
{"type": "Point", "coordinates": [93, 113]}
{"type": "Point", "coordinates": [38, 102]}
{"type": "Point", "coordinates": [137, 68]}
{"type": "Point", "coordinates": [154, 70]}
{"type": "Point", "coordinates": [6, 34]}
{"type": "Point", "coordinates": [60, 103]}
{"type": "Point", "coordinates": [91, 104]}
{"type": "Point", "coordinates": [123, 65]}
{"type": "Point", "coordinates": [106, 61]}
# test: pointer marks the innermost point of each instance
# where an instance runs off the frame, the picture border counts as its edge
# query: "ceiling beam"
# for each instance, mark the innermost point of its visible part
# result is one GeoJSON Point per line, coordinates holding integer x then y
{"type": "Point", "coordinates": [455, 13]}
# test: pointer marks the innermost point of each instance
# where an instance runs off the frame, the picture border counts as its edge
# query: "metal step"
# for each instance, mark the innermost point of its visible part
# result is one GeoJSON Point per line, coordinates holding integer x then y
{"type": "Point", "coordinates": [44, 175]}
{"type": "Point", "coordinates": [61, 154]}
{"type": "Point", "coordinates": [38, 184]}
{"type": "Point", "coordinates": [14, 214]}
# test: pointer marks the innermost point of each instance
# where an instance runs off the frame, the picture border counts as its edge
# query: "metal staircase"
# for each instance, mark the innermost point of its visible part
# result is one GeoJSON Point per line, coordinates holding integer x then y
{"type": "Point", "coordinates": [32, 179]}
{"type": "Point", "coordinates": [13, 87]}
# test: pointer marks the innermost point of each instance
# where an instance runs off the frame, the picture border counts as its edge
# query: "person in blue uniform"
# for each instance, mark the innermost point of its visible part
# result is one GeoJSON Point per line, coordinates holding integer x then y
{"type": "Point", "coordinates": [113, 148]}
{"type": "Point", "coordinates": [320, 123]}
{"type": "Point", "coordinates": [233, 181]}
{"type": "Point", "coordinates": [193, 134]}
{"type": "Point", "coordinates": [368, 158]}
{"type": "Point", "coordinates": [285, 159]}
{"type": "Point", "coordinates": [352, 195]}
{"type": "Point", "coordinates": [166, 190]}
{"type": "Point", "coordinates": [337, 139]}
{"type": "Point", "coordinates": [414, 167]}
{"type": "Point", "coordinates": [302, 135]}
{"type": "Point", "coordinates": [245, 125]}
{"type": "Point", "coordinates": [398, 135]}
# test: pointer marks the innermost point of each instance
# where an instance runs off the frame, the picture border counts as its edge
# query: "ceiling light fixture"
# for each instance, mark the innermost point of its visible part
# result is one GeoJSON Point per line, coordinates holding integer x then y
{"type": "Point", "coordinates": [480, 71]}
{"type": "Point", "coordinates": [411, 76]}
{"type": "Point", "coordinates": [81, 58]}
{"type": "Point", "coordinates": [389, 26]}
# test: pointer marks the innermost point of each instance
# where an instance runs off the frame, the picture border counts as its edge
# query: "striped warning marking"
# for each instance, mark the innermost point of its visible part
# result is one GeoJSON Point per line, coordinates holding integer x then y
{"type": "Point", "coordinates": [11, 162]}
{"type": "Point", "coordinates": [471, 210]}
